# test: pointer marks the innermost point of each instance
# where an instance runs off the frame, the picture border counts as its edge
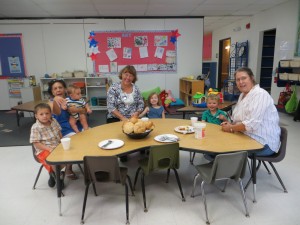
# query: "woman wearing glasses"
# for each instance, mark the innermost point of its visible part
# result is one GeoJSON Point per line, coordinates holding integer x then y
{"type": "Point", "coordinates": [124, 99]}
{"type": "Point", "coordinates": [255, 114]}
{"type": "Point", "coordinates": [58, 103]}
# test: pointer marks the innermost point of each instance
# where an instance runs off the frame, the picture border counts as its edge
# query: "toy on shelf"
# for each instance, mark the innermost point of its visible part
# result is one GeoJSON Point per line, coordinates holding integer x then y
{"type": "Point", "coordinates": [168, 98]}
{"type": "Point", "coordinates": [199, 100]}
{"type": "Point", "coordinates": [216, 92]}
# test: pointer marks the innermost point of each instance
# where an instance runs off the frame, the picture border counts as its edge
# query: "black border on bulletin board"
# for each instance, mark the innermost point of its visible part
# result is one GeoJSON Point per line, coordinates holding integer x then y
{"type": "Point", "coordinates": [149, 64]}
{"type": "Point", "coordinates": [12, 59]}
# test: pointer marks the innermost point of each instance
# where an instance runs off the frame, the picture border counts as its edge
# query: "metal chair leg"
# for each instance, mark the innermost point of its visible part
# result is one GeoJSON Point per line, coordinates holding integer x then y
{"type": "Point", "coordinates": [204, 201]}
{"type": "Point", "coordinates": [37, 176]}
{"type": "Point", "coordinates": [194, 186]}
{"type": "Point", "coordinates": [192, 157]}
{"type": "Point", "coordinates": [179, 184]}
{"type": "Point", "coordinates": [130, 185]}
{"type": "Point", "coordinates": [136, 177]}
{"type": "Point", "coordinates": [168, 175]}
{"type": "Point", "coordinates": [144, 192]}
{"type": "Point", "coordinates": [127, 204]}
{"type": "Point", "coordinates": [227, 181]}
{"type": "Point", "coordinates": [278, 177]}
{"type": "Point", "coordinates": [94, 188]}
{"type": "Point", "coordinates": [80, 168]}
{"type": "Point", "coordinates": [265, 165]}
{"type": "Point", "coordinates": [244, 197]}
{"type": "Point", "coordinates": [84, 203]}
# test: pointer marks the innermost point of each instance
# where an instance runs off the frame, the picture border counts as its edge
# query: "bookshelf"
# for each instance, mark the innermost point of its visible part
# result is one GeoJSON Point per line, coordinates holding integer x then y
{"type": "Point", "coordinates": [188, 88]}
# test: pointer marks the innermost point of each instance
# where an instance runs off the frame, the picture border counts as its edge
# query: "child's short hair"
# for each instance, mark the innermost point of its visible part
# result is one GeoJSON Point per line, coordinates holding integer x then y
{"type": "Point", "coordinates": [41, 106]}
{"type": "Point", "coordinates": [213, 97]}
{"type": "Point", "coordinates": [72, 88]}
{"type": "Point", "coordinates": [150, 96]}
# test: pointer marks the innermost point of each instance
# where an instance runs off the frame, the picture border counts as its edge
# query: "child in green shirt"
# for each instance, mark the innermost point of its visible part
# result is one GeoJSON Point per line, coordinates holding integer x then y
{"type": "Point", "coordinates": [213, 114]}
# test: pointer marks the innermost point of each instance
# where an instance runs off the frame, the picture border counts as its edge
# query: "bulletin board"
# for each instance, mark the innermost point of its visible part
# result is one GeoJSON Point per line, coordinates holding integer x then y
{"type": "Point", "coordinates": [148, 51]}
{"type": "Point", "coordinates": [12, 62]}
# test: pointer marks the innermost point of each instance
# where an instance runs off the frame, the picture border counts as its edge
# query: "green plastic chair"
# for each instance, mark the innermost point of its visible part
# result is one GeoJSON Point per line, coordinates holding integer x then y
{"type": "Point", "coordinates": [161, 157]}
{"type": "Point", "coordinates": [225, 166]}
{"type": "Point", "coordinates": [104, 169]}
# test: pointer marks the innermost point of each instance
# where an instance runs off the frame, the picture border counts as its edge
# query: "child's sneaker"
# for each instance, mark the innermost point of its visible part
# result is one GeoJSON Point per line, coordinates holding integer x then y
{"type": "Point", "coordinates": [51, 181]}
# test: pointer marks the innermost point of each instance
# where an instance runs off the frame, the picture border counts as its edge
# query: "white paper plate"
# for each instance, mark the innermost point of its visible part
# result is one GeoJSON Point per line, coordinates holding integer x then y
{"type": "Point", "coordinates": [116, 143]}
{"type": "Point", "coordinates": [166, 138]}
{"type": "Point", "coordinates": [184, 129]}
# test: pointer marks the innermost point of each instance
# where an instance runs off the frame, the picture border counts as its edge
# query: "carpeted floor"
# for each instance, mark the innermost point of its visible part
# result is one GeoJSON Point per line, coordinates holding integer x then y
{"type": "Point", "coordinates": [12, 135]}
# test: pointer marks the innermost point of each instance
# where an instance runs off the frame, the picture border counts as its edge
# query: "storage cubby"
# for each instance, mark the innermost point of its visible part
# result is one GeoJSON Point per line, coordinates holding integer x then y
{"type": "Point", "coordinates": [188, 88]}
{"type": "Point", "coordinates": [288, 72]}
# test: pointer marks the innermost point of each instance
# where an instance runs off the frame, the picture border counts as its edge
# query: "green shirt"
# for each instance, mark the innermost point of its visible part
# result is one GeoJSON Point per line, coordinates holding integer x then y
{"type": "Point", "coordinates": [210, 118]}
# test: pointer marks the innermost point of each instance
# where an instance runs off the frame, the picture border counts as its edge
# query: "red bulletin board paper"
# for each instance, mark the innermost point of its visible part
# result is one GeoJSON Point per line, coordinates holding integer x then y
{"type": "Point", "coordinates": [127, 41]}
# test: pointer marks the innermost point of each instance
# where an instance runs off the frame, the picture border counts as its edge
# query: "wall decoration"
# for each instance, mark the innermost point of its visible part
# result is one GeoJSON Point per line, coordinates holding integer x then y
{"type": "Point", "coordinates": [148, 51]}
{"type": "Point", "coordinates": [12, 61]}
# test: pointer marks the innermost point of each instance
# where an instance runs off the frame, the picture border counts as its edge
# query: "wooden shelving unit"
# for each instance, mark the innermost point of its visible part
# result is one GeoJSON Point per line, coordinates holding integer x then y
{"type": "Point", "coordinates": [188, 88]}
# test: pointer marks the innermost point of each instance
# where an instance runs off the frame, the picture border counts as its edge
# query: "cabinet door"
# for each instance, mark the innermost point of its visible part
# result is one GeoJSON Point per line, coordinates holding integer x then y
{"type": "Point", "coordinates": [5, 105]}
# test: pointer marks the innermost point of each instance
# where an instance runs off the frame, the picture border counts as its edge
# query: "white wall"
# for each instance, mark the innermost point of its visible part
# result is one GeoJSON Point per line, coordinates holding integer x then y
{"type": "Point", "coordinates": [54, 46]}
{"type": "Point", "coordinates": [283, 17]}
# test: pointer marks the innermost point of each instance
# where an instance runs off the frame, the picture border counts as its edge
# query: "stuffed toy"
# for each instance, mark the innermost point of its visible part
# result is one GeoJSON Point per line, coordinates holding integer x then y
{"type": "Point", "coordinates": [162, 97]}
{"type": "Point", "coordinates": [169, 98]}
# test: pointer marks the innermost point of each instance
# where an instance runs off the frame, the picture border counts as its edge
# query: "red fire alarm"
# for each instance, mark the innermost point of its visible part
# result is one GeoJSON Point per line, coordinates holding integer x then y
{"type": "Point", "coordinates": [248, 26]}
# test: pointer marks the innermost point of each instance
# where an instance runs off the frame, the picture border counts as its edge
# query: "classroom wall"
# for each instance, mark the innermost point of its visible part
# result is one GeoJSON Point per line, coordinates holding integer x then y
{"type": "Point", "coordinates": [54, 46]}
{"type": "Point", "coordinates": [283, 17]}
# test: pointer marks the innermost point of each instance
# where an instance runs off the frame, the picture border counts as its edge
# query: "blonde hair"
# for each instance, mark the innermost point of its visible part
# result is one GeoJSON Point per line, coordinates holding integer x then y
{"type": "Point", "coordinates": [72, 88]}
{"type": "Point", "coordinates": [213, 97]}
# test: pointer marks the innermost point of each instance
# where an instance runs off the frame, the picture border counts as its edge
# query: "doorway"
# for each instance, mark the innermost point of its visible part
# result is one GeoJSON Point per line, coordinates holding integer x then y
{"type": "Point", "coordinates": [267, 59]}
{"type": "Point", "coordinates": [224, 56]}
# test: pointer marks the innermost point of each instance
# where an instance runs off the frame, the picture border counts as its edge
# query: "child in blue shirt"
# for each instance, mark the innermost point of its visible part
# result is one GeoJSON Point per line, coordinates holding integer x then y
{"type": "Point", "coordinates": [213, 114]}
{"type": "Point", "coordinates": [154, 109]}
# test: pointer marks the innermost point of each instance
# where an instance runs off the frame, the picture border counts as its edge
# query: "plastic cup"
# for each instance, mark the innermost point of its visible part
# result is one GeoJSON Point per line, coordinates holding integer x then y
{"type": "Point", "coordinates": [66, 143]}
{"type": "Point", "coordinates": [194, 120]}
{"type": "Point", "coordinates": [145, 119]}
{"type": "Point", "coordinates": [199, 130]}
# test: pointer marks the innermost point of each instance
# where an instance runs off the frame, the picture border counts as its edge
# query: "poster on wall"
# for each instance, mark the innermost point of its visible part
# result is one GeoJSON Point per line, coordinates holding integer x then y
{"type": "Point", "coordinates": [12, 63]}
{"type": "Point", "coordinates": [148, 51]}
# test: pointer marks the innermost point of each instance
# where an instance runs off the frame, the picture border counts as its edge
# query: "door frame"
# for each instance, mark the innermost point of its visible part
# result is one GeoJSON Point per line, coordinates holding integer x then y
{"type": "Point", "coordinates": [220, 66]}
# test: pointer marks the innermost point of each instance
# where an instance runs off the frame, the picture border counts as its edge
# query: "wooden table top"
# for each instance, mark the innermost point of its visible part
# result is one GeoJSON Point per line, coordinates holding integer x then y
{"type": "Point", "coordinates": [191, 108]}
{"type": "Point", "coordinates": [28, 106]}
{"type": "Point", "coordinates": [86, 142]}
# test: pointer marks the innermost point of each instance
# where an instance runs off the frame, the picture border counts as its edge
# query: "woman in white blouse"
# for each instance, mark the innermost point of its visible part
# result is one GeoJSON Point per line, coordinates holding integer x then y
{"type": "Point", "coordinates": [255, 114]}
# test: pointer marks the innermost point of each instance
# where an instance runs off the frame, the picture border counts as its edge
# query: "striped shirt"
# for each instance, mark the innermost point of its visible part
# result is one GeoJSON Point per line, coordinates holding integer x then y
{"type": "Point", "coordinates": [80, 103]}
{"type": "Point", "coordinates": [47, 135]}
{"type": "Point", "coordinates": [260, 117]}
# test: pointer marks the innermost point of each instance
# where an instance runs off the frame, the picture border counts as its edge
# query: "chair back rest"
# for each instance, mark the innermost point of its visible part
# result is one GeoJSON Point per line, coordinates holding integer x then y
{"type": "Point", "coordinates": [231, 165]}
{"type": "Point", "coordinates": [34, 155]}
{"type": "Point", "coordinates": [277, 157]}
{"type": "Point", "coordinates": [163, 157]}
{"type": "Point", "coordinates": [101, 169]}
{"type": "Point", "coordinates": [283, 139]}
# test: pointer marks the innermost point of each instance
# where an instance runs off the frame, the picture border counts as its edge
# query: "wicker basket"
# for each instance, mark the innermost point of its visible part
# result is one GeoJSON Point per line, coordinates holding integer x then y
{"type": "Point", "coordinates": [283, 76]}
{"type": "Point", "coordinates": [285, 63]}
{"type": "Point", "coordinates": [67, 74]}
{"type": "Point", "coordinates": [294, 76]}
{"type": "Point", "coordinates": [295, 63]}
{"type": "Point", "coordinates": [79, 74]}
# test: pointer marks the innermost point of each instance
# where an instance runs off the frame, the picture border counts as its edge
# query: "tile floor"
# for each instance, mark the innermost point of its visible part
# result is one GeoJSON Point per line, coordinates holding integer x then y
{"type": "Point", "coordinates": [20, 205]}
